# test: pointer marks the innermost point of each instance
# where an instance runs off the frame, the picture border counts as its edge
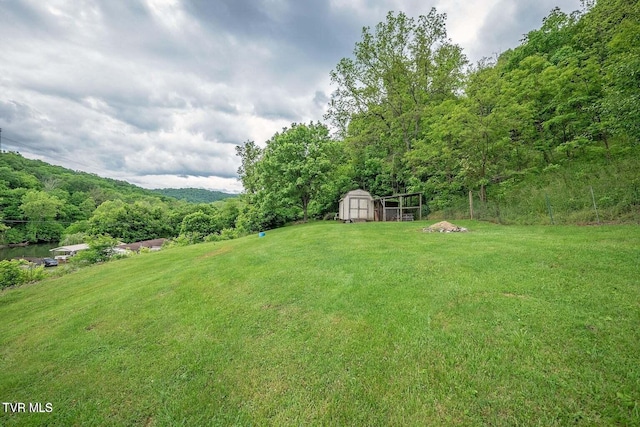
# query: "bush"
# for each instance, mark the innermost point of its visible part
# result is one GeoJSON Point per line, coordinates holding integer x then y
{"type": "Point", "coordinates": [32, 273]}
{"type": "Point", "coordinates": [199, 223]}
{"type": "Point", "coordinates": [62, 270]}
{"type": "Point", "coordinates": [10, 273]}
{"type": "Point", "coordinates": [228, 234]}
{"type": "Point", "coordinates": [100, 250]}
{"type": "Point", "coordinates": [184, 240]}
{"type": "Point", "coordinates": [14, 273]}
{"type": "Point", "coordinates": [88, 256]}
{"type": "Point", "coordinates": [213, 238]}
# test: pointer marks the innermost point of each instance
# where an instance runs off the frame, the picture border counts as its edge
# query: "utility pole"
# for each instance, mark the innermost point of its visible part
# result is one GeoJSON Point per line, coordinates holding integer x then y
{"type": "Point", "coordinates": [0, 140]}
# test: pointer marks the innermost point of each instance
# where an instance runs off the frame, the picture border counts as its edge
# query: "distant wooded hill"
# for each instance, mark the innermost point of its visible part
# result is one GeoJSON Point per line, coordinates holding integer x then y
{"type": "Point", "coordinates": [194, 195]}
{"type": "Point", "coordinates": [40, 202]}
{"type": "Point", "coordinates": [17, 172]}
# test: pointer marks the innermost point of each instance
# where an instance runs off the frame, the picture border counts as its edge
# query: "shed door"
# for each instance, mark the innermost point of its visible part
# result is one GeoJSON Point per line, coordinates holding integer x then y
{"type": "Point", "coordinates": [358, 208]}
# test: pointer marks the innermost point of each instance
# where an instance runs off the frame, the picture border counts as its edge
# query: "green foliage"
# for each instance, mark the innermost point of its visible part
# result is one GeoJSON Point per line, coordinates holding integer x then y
{"type": "Point", "coordinates": [10, 273]}
{"type": "Point", "coordinates": [200, 224]}
{"type": "Point", "coordinates": [100, 250]}
{"type": "Point", "coordinates": [133, 222]}
{"type": "Point", "coordinates": [386, 92]}
{"type": "Point", "coordinates": [225, 234]}
{"type": "Point", "coordinates": [186, 239]}
{"type": "Point", "coordinates": [227, 212]}
{"type": "Point", "coordinates": [74, 238]}
{"type": "Point", "coordinates": [229, 233]}
{"type": "Point", "coordinates": [77, 227]}
{"type": "Point", "coordinates": [33, 273]}
{"type": "Point", "coordinates": [567, 96]}
{"type": "Point", "coordinates": [249, 154]}
{"type": "Point", "coordinates": [412, 118]}
{"type": "Point", "coordinates": [18, 272]}
{"type": "Point", "coordinates": [294, 169]}
{"type": "Point", "coordinates": [41, 209]}
{"type": "Point", "coordinates": [252, 218]}
{"type": "Point", "coordinates": [194, 195]}
{"type": "Point", "coordinates": [38, 201]}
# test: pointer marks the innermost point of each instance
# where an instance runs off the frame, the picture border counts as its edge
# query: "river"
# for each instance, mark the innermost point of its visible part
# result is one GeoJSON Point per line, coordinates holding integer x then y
{"type": "Point", "coordinates": [40, 250]}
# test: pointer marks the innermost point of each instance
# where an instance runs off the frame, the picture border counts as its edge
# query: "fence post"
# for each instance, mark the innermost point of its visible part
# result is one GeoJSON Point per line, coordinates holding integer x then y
{"type": "Point", "coordinates": [546, 197]}
{"type": "Point", "coordinates": [593, 199]}
{"type": "Point", "coordinates": [471, 203]}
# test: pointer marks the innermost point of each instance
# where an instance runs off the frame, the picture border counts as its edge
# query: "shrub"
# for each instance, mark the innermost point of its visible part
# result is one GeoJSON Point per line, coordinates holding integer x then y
{"type": "Point", "coordinates": [214, 237]}
{"type": "Point", "coordinates": [184, 240]}
{"type": "Point", "coordinates": [100, 250]}
{"type": "Point", "coordinates": [228, 234]}
{"type": "Point", "coordinates": [198, 223]}
{"type": "Point", "coordinates": [10, 273]}
{"type": "Point", "coordinates": [32, 273]}
{"type": "Point", "coordinates": [88, 256]}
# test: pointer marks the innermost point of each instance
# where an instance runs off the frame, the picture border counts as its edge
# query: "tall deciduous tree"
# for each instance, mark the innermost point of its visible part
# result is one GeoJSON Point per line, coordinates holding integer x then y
{"type": "Point", "coordinates": [397, 74]}
{"type": "Point", "coordinates": [249, 154]}
{"type": "Point", "coordinates": [296, 166]}
{"type": "Point", "coordinates": [130, 222]}
{"type": "Point", "coordinates": [484, 119]}
{"type": "Point", "coordinates": [41, 209]}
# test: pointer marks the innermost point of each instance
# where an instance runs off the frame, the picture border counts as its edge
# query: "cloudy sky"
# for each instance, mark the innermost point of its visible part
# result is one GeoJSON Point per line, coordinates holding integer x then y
{"type": "Point", "coordinates": [159, 92]}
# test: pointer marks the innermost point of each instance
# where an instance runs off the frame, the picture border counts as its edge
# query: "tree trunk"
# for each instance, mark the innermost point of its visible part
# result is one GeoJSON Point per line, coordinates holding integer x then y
{"type": "Point", "coordinates": [305, 205]}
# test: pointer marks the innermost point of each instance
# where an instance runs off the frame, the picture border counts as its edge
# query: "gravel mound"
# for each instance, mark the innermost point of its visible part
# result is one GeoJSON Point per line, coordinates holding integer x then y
{"type": "Point", "coordinates": [444, 227]}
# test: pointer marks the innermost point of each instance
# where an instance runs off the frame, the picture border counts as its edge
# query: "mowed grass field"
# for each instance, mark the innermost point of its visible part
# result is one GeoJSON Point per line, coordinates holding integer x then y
{"type": "Point", "coordinates": [338, 324]}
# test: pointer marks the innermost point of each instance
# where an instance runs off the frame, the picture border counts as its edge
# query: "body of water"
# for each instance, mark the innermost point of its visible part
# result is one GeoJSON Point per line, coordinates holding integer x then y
{"type": "Point", "coordinates": [40, 250]}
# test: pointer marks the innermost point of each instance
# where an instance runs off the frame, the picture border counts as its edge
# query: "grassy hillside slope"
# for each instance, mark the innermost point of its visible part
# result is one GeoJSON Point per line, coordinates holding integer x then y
{"type": "Point", "coordinates": [565, 188]}
{"type": "Point", "coordinates": [342, 324]}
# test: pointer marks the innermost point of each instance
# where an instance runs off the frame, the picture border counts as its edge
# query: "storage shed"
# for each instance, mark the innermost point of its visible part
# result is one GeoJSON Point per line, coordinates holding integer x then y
{"type": "Point", "coordinates": [356, 205]}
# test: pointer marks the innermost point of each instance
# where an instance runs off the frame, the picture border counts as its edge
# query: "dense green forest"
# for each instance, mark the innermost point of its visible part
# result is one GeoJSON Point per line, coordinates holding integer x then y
{"type": "Point", "coordinates": [550, 126]}
{"type": "Point", "coordinates": [194, 195]}
{"type": "Point", "coordinates": [40, 202]}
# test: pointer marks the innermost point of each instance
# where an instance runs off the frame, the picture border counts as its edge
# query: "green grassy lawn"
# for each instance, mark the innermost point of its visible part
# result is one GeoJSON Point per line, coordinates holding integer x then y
{"type": "Point", "coordinates": [338, 324]}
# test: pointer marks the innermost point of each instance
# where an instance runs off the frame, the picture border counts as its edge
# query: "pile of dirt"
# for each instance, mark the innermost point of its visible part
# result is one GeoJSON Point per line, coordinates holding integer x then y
{"type": "Point", "coordinates": [444, 227]}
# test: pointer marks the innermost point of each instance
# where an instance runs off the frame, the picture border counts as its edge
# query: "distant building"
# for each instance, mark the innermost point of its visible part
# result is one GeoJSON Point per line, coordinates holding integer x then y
{"type": "Point", "coordinates": [63, 253]}
{"type": "Point", "coordinates": [154, 245]}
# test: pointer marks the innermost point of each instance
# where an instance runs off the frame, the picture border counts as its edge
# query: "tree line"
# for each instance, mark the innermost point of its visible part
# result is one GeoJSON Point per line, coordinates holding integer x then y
{"type": "Point", "coordinates": [411, 114]}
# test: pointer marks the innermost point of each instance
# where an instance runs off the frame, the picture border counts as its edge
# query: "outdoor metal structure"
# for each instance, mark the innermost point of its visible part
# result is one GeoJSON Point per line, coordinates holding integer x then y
{"type": "Point", "coordinates": [399, 207]}
{"type": "Point", "coordinates": [63, 253]}
{"type": "Point", "coordinates": [356, 205]}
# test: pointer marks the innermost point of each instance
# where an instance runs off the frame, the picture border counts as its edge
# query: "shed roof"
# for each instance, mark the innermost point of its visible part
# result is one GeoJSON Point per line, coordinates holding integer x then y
{"type": "Point", "coordinates": [71, 248]}
{"type": "Point", "coordinates": [145, 243]}
{"type": "Point", "coordinates": [358, 192]}
{"type": "Point", "coordinates": [395, 196]}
